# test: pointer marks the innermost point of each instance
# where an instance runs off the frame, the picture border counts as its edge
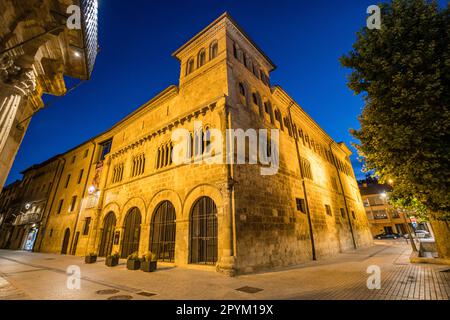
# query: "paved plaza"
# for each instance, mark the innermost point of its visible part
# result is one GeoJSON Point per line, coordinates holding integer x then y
{"type": "Point", "coordinates": [25, 275]}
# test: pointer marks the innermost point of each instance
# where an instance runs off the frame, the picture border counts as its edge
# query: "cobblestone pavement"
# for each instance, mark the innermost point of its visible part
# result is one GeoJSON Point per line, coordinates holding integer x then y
{"type": "Point", "coordinates": [25, 275]}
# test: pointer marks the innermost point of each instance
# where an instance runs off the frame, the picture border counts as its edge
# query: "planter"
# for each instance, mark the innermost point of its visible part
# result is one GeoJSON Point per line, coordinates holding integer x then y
{"type": "Point", "coordinates": [90, 259]}
{"type": "Point", "coordinates": [133, 264]}
{"type": "Point", "coordinates": [148, 266]}
{"type": "Point", "coordinates": [112, 261]}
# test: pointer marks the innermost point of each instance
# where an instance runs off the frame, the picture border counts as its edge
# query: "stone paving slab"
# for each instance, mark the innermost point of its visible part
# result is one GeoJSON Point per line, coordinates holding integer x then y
{"type": "Point", "coordinates": [43, 276]}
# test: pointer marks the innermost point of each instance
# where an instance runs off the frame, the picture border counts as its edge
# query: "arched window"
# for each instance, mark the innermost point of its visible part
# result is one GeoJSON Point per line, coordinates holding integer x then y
{"type": "Point", "coordinates": [235, 51]}
{"type": "Point", "coordinates": [203, 232]}
{"type": "Point", "coordinates": [279, 118]}
{"type": "Point", "coordinates": [163, 227]}
{"type": "Point", "coordinates": [214, 50]}
{"type": "Point", "coordinates": [241, 89]}
{"type": "Point", "coordinates": [131, 232]}
{"type": "Point", "coordinates": [201, 59]}
{"type": "Point", "coordinates": [107, 235]}
{"type": "Point", "coordinates": [255, 98]}
{"type": "Point", "coordinates": [190, 66]}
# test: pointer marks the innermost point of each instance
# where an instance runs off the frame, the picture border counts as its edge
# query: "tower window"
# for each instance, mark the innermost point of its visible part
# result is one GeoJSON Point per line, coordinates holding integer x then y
{"type": "Point", "coordinates": [201, 58]}
{"type": "Point", "coordinates": [241, 89]}
{"type": "Point", "coordinates": [214, 50]}
{"type": "Point", "coordinates": [190, 66]}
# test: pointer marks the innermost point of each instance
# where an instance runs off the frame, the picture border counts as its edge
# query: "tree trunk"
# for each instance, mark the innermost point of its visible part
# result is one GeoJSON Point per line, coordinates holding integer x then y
{"type": "Point", "coordinates": [441, 231]}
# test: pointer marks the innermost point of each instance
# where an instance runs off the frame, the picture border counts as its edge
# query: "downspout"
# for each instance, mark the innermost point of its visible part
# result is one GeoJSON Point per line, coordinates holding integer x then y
{"type": "Point", "coordinates": [343, 196]}
{"type": "Point", "coordinates": [308, 213]}
{"type": "Point", "coordinates": [230, 183]}
{"type": "Point", "coordinates": [82, 197]}
{"type": "Point", "coordinates": [53, 200]}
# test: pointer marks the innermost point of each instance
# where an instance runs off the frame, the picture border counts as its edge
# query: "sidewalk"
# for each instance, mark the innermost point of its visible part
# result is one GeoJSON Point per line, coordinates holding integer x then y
{"type": "Point", "coordinates": [8, 292]}
{"type": "Point", "coordinates": [43, 276]}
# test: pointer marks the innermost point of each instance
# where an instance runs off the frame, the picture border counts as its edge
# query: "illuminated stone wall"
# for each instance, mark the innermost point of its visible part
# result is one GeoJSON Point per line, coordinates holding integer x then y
{"type": "Point", "coordinates": [259, 225]}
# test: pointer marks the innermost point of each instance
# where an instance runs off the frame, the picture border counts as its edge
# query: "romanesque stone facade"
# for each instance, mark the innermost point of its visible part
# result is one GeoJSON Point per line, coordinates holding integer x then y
{"type": "Point", "coordinates": [121, 191]}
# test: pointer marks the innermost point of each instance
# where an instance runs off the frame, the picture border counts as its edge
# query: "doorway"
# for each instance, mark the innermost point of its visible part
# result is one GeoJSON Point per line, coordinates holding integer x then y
{"type": "Point", "coordinates": [107, 237]}
{"type": "Point", "coordinates": [131, 233]}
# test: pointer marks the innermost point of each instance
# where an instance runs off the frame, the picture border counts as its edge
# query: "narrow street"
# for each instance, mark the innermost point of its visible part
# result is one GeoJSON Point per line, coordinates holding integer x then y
{"type": "Point", "coordinates": [25, 275]}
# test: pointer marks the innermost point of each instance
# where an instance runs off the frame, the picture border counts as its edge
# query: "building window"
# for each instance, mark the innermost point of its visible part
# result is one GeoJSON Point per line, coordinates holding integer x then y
{"type": "Point", "coordinates": [241, 89]}
{"type": "Point", "coordinates": [334, 184]}
{"type": "Point", "coordinates": [377, 214]}
{"type": "Point", "coordinates": [60, 205]}
{"type": "Point", "coordinates": [235, 51]}
{"type": "Point", "coordinates": [353, 215]}
{"type": "Point", "coordinates": [203, 232]}
{"type": "Point", "coordinates": [67, 181]}
{"type": "Point", "coordinates": [214, 50]}
{"type": "Point", "coordinates": [201, 59]}
{"type": "Point", "coordinates": [105, 149]}
{"type": "Point", "coordinates": [279, 118]}
{"type": "Point", "coordinates": [306, 168]}
{"type": "Point", "coordinates": [73, 204]}
{"type": "Point", "coordinates": [287, 123]}
{"type": "Point", "coordinates": [164, 158]}
{"type": "Point", "coordinates": [342, 212]}
{"type": "Point", "coordinates": [255, 98]}
{"type": "Point", "coordinates": [118, 173]}
{"type": "Point", "coordinates": [86, 153]}
{"type": "Point", "coordinates": [328, 210]}
{"type": "Point", "coordinates": [163, 232]}
{"type": "Point", "coordinates": [87, 223]}
{"type": "Point", "coordinates": [73, 159]}
{"type": "Point", "coordinates": [51, 233]}
{"type": "Point", "coordinates": [138, 167]}
{"type": "Point", "coordinates": [80, 177]}
{"type": "Point", "coordinates": [190, 66]}
{"type": "Point", "coordinates": [301, 205]}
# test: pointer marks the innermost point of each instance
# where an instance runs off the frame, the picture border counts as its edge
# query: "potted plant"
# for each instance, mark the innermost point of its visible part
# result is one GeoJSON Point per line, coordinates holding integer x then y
{"type": "Point", "coordinates": [148, 263]}
{"type": "Point", "coordinates": [133, 261]}
{"type": "Point", "coordinates": [112, 260]}
{"type": "Point", "coordinates": [90, 258]}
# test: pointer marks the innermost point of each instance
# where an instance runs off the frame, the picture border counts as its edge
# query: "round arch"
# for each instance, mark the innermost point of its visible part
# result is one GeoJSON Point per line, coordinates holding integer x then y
{"type": "Point", "coordinates": [131, 232]}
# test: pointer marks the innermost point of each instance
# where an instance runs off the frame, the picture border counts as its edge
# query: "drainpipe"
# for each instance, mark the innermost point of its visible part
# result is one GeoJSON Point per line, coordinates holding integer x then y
{"type": "Point", "coordinates": [343, 196]}
{"type": "Point", "coordinates": [54, 196]}
{"type": "Point", "coordinates": [82, 197]}
{"type": "Point", "coordinates": [308, 212]}
{"type": "Point", "coordinates": [230, 184]}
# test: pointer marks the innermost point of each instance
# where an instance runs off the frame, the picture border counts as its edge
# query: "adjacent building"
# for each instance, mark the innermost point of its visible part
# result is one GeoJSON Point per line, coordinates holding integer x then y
{"type": "Point", "coordinates": [37, 49]}
{"type": "Point", "coordinates": [122, 192]}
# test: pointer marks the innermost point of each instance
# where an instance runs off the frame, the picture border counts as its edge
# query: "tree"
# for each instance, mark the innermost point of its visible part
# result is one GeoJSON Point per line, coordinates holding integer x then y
{"type": "Point", "coordinates": [403, 72]}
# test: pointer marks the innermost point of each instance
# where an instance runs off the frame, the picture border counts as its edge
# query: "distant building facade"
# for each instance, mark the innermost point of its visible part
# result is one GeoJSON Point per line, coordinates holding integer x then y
{"type": "Point", "coordinates": [37, 50]}
{"type": "Point", "coordinates": [121, 192]}
{"type": "Point", "coordinates": [383, 218]}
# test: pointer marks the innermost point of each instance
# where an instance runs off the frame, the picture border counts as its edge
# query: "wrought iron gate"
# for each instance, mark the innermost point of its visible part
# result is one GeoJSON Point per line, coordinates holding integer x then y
{"type": "Point", "coordinates": [131, 233]}
{"type": "Point", "coordinates": [107, 239]}
{"type": "Point", "coordinates": [163, 232]}
{"type": "Point", "coordinates": [203, 232]}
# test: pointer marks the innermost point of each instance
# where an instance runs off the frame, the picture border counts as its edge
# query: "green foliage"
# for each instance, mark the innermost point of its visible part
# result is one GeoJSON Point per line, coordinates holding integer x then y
{"type": "Point", "coordinates": [403, 72]}
{"type": "Point", "coordinates": [133, 256]}
{"type": "Point", "coordinates": [149, 256]}
{"type": "Point", "coordinates": [115, 255]}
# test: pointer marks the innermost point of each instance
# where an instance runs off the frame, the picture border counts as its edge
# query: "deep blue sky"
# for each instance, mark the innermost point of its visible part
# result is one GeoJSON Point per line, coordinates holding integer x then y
{"type": "Point", "coordinates": [137, 38]}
